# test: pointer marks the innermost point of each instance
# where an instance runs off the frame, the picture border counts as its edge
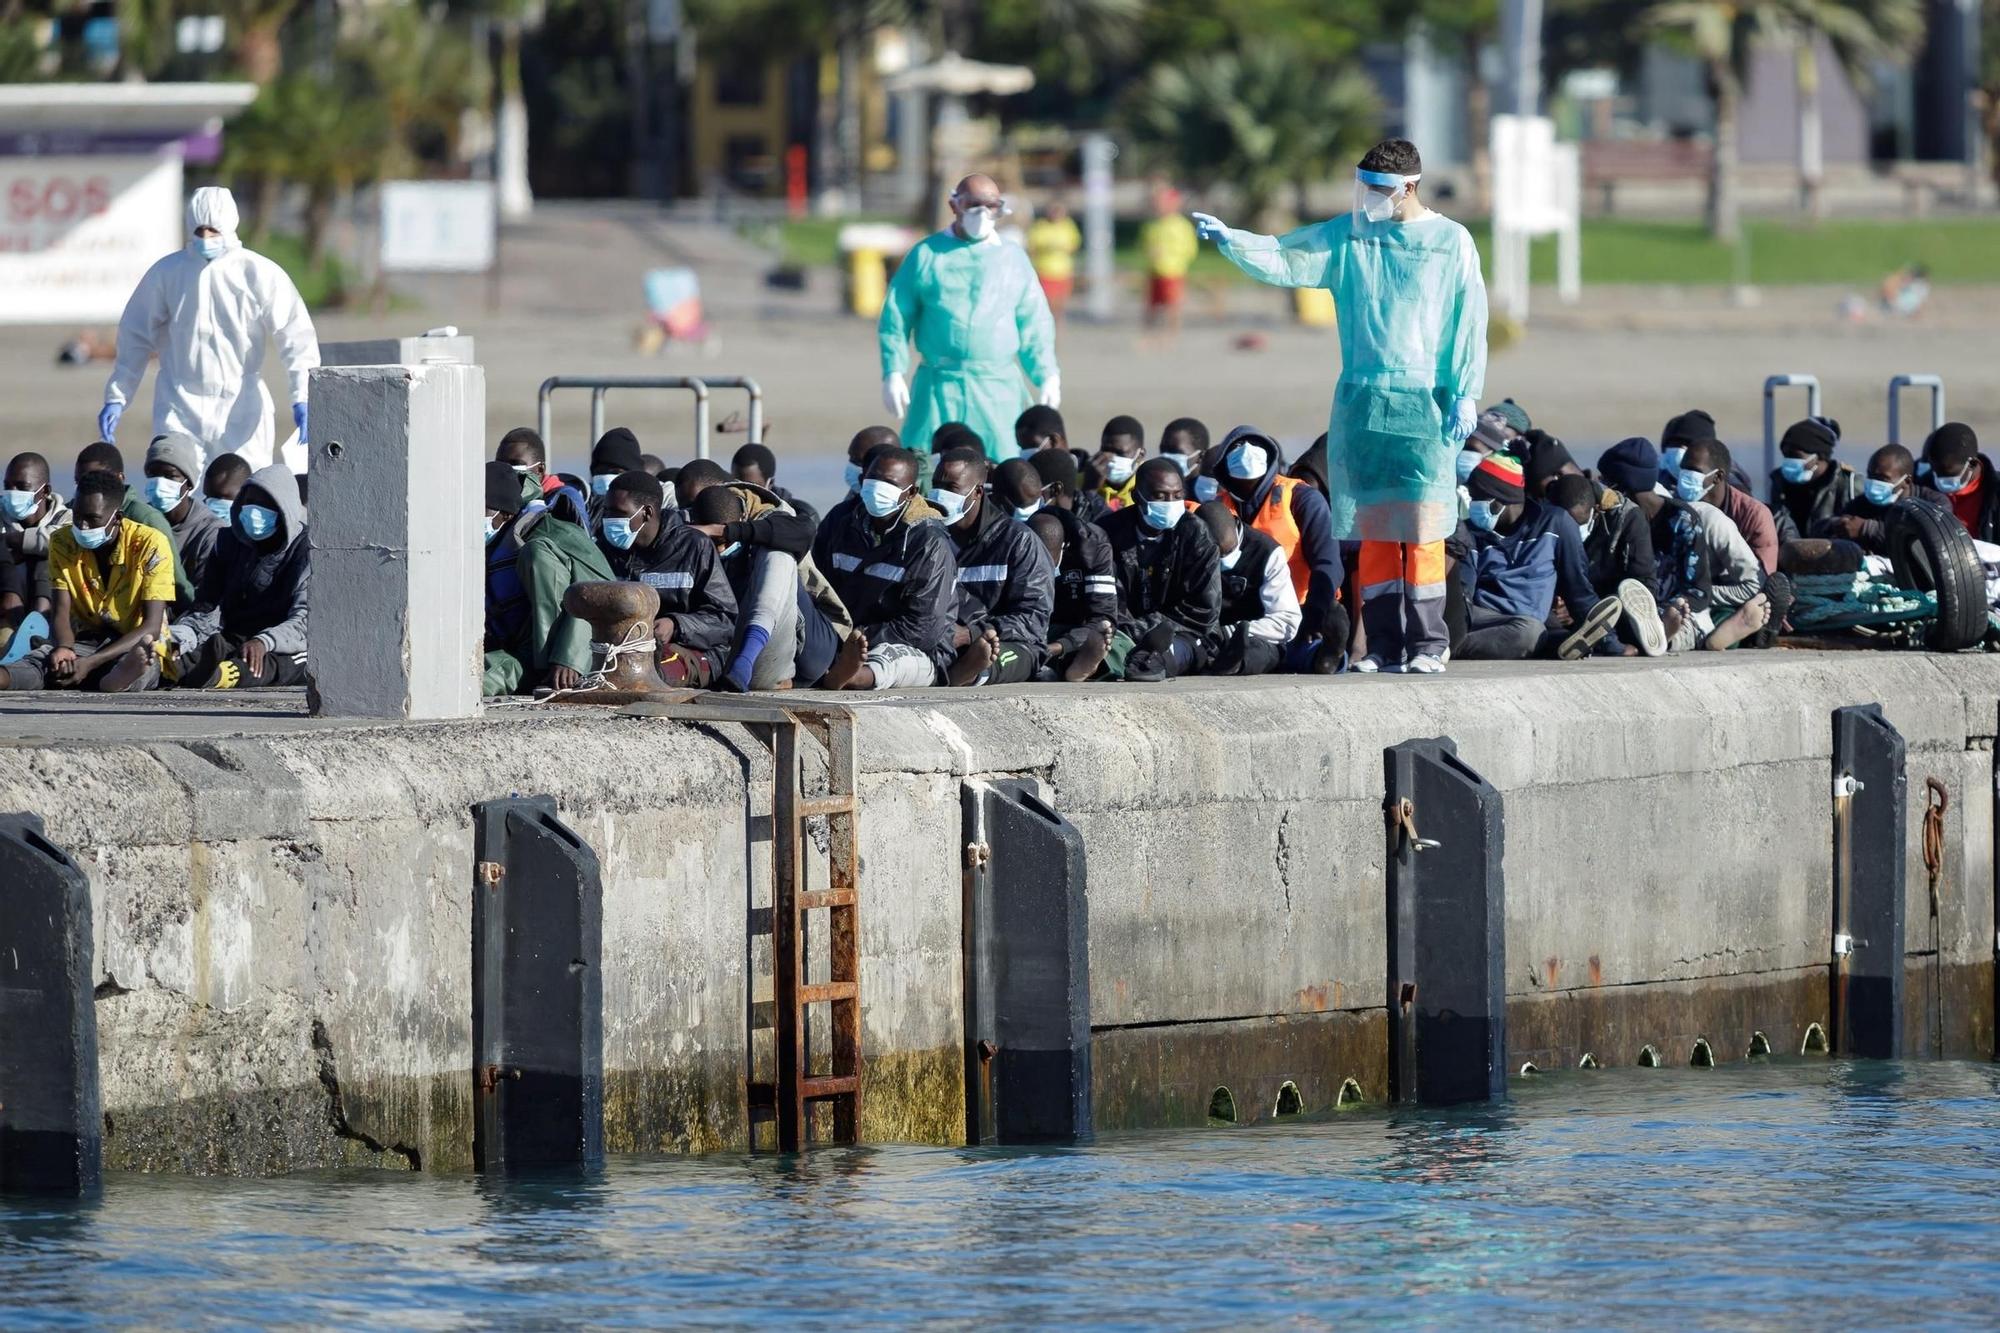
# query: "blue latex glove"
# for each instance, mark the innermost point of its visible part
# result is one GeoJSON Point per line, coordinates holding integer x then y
{"type": "Point", "coordinates": [1208, 227]}
{"type": "Point", "coordinates": [107, 421]}
{"type": "Point", "coordinates": [737, 678]}
{"type": "Point", "coordinates": [1464, 416]}
{"type": "Point", "coordinates": [299, 419]}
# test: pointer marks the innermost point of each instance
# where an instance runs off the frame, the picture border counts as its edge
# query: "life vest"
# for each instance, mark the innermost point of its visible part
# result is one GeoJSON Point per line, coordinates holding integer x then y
{"type": "Point", "coordinates": [1275, 521]}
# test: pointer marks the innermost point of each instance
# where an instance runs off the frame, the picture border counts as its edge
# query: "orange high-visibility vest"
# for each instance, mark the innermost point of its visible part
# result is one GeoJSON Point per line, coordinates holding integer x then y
{"type": "Point", "coordinates": [1275, 521]}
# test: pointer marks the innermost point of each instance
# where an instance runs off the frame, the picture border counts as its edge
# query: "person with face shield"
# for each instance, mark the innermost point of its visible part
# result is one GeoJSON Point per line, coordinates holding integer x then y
{"type": "Point", "coordinates": [976, 312]}
{"type": "Point", "coordinates": [1412, 318]}
{"type": "Point", "coordinates": [205, 312]}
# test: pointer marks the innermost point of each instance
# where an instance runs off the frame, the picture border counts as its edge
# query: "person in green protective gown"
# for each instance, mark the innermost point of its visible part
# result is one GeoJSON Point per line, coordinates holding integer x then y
{"type": "Point", "coordinates": [1412, 315]}
{"type": "Point", "coordinates": [972, 304]}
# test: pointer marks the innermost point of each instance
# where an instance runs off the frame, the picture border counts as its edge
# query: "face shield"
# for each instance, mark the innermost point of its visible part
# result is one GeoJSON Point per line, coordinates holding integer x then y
{"type": "Point", "coordinates": [1377, 194]}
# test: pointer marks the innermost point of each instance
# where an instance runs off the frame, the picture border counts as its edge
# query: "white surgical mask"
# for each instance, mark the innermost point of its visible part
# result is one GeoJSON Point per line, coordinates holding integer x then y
{"type": "Point", "coordinates": [1180, 461]}
{"type": "Point", "coordinates": [853, 475]}
{"type": "Point", "coordinates": [1248, 460]}
{"type": "Point", "coordinates": [949, 503]}
{"type": "Point", "coordinates": [1118, 469]}
{"type": "Point", "coordinates": [163, 493]}
{"type": "Point", "coordinates": [1588, 528]}
{"type": "Point", "coordinates": [1161, 515]}
{"type": "Point", "coordinates": [1229, 561]}
{"type": "Point", "coordinates": [1484, 514]}
{"type": "Point", "coordinates": [1026, 512]}
{"type": "Point", "coordinates": [91, 538]}
{"type": "Point", "coordinates": [600, 483]}
{"type": "Point", "coordinates": [881, 498]}
{"type": "Point", "coordinates": [1206, 489]}
{"type": "Point", "coordinates": [211, 248]}
{"type": "Point", "coordinates": [977, 223]}
{"type": "Point", "coordinates": [19, 504]}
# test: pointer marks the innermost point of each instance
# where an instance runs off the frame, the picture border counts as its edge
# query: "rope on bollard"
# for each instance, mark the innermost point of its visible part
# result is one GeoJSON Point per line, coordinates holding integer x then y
{"type": "Point", "coordinates": [636, 640]}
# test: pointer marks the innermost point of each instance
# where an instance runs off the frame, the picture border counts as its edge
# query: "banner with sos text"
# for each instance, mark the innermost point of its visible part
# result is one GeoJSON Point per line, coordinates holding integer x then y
{"type": "Point", "coordinates": [77, 233]}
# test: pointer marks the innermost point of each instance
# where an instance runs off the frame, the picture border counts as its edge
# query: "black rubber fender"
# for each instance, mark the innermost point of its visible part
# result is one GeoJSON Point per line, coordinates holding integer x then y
{"type": "Point", "coordinates": [1931, 550]}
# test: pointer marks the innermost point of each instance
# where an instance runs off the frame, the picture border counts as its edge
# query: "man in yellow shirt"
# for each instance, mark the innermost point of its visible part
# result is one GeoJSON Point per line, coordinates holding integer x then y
{"type": "Point", "coordinates": [1053, 241]}
{"type": "Point", "coordinates": [1171, 246]}
{"type": "Point", "coordinates": [112, 580]}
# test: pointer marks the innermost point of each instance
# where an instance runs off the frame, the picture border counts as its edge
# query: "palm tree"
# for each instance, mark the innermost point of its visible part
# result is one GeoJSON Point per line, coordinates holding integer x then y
{"type": "Point", "coordinates": [1720, 34]}
{"type": "Point", "coordinates": [1861, 33]}
{"type": "Point", "coordinates": [321, 131]}
{"type": "Point", "coordinates": [1261, 118]}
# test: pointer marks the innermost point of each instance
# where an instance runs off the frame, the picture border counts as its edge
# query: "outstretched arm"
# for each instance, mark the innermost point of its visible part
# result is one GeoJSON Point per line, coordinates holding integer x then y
{"type": "Point", "coordinates": [1302, 258]}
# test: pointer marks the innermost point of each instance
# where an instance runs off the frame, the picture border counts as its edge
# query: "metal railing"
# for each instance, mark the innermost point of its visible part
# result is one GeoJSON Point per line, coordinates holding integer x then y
{"type": "Point", "coordinates": [1934, 383]}
{"type": "Point", "coordinates": [600, 387]}
{"type": "Point", "coordinates": [1810, 383]}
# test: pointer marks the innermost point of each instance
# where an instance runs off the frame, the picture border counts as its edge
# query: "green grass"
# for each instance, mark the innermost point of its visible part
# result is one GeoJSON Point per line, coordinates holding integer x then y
{"type": "Point", "coordinates": [322, 287]}
{"type": "Point", "coordinates": [1857, 254]}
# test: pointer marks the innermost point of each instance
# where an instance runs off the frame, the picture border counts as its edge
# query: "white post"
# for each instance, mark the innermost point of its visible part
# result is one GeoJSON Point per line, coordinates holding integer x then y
{"type": "Point", "coordinates": [1098, 154]}
{"type": "Point", "coordinates": [397, 601]}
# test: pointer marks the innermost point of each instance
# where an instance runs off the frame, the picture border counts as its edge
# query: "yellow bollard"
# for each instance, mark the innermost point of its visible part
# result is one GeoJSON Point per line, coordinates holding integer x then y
{"type": "Point", "coordinates": [1313, 307]}
{"type": "Point", "coordinates": [867, 282]}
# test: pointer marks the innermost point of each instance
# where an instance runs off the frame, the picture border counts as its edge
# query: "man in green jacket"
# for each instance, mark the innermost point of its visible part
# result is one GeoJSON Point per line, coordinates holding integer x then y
{"type": "Point", "coordinates": [530, 562]}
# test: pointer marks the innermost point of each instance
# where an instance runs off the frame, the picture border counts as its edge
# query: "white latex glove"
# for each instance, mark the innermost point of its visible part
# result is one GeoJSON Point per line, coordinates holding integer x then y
{"type": "Point", "coordinates": [896, 396]}
{"type": "Point", "coordinates": [1051, 392]}
{"type": "Point", "coordinates": [1464, 417]}
{"type": "Point", "coordinates": [1208, 227]}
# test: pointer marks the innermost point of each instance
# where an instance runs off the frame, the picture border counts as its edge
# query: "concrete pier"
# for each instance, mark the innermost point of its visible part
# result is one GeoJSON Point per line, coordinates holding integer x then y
{"type": "Point", "coordinates": [283, 926]}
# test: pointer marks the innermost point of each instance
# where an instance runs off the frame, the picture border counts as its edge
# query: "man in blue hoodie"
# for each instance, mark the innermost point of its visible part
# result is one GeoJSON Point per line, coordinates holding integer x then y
{"type": "Point", "coordinates": [1526, 552]}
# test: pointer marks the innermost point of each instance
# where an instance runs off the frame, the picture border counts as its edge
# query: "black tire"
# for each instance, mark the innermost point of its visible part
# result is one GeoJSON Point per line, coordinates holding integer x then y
{"type": "Point", "coordinates": [1932, 551]}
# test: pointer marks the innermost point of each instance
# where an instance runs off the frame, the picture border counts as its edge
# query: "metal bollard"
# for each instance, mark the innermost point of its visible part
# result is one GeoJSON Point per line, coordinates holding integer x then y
{"type": "Point", "coordinates": [1810, 383]}
{"type": "Point", "coordinates": [1027, 969]}
{"type": "Point", "coordinates": [537, 990]}
{"type": "Point", "coordinates": [1899, 383]}
{"type": "Point", "coordinates": [1447, 928]}
{"type": "Point", "coordinates": [1870, 831]}
{"type": "Point", "coordinates": [51, 1127]}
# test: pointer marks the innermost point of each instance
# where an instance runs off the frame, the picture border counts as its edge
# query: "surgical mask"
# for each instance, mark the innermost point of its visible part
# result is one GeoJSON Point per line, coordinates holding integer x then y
{"type": "Point", "coordinates": [1466, 462]}
{"type": "Point", "coordinates": [1878, 492]}
{"type": "Point", "coordinates": [19, 504]}
{"type": "Point", "coordinates": [1229, 561]}
{"type": "Point", "coordinates": [1026, 512]}
{"type": "Point", "coordinates": [621, 532]}
{"type": "Point", "coordinates": [949, 503]}
{"type": "Point", "coordinates": [163, 493]}
{"type": "Point", "coordinates": [220, 507]}
{"type": "Point", "coordinates": [729, 550]}
{"type": "Point", "coordinates": [1484, 514]}
{"type": "Point", "coordinates": [1923, 470]}
{"type": "Point", "coordinates": [881, 498]}
{"type": "Point", "coordinates": [600, 483]}
{"type": "Point", "coordinates": [91, 538]}
{"type": "Point", "coordinates": [1588, 528]}
{"type": "Point", "coordinates": [211, 247]}
{"type": "Point", "coordinates": [854, 478]}
{"type": "Point", "coordinates": [493, 526]}
{"type": "Point", "coordinates": [256, 521]}
{"type": "Point", "coordinates": [1247, 460]}
{"type": "Point", "coordinates": [1206, 489]}
{"type": "Point", "coordinates": [1796, 471]}
{"type": "Point", "coordinates": [1670, 459]}
{"type": "Point", "coordinates": [1181, 461]}
{"type": "Point", "coordinates": [1163, 514]}
{"type": "Point", "coordinates": [1690, 485]}
{"type": "Point", "coordinates": [1951, 485]}
{"type": "Point", "coordinates": [977, 223]}
{"type": "Point", "coordinates": [1118, 469]}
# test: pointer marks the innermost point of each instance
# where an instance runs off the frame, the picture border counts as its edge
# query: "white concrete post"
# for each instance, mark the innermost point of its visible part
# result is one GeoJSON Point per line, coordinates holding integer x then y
{"type": "Point", "coordinates": [396, 514]}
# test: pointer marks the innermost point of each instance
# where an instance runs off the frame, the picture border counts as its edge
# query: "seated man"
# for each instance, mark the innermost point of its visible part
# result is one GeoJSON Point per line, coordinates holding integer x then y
{"type": "Point", "coordinates": [1675, 437]}
{"type": "Point", "coordinates": [523, 450]}
{"type": "Point", "coordinates": [1063, 488]}
{"type": "Point", "coordinates": [1546, 459]}
{"type": "Point", "coordinates": [1891, 478]}
{"type": "Point", "coordinates": [1006, 583]}
{"type": "Point", "coordinates": [105, 458]}
{"type": "Point", "coordinates": [1525, 554]}
{"type": "Point", "coordinates": [1169, 576]}
{"type": "Point", "coordinates": [1083, 621]}
{"type": "Point", "coordinates": [219, 485]}
{"type": "Point", "coordinates": [1965, 477]}
{"type": "Point", "coordinates": [1296, 517]}
{"type": "Point", "coordinates": [531, 559]}
{"type": "Point", "coordinates": [1809, 484]}
{"type": "Point", "coordinates": [615, 453]}
{"type": "Point", "coordinates": [1704, 474]}
{"type": "Point", "coordinates": [1017, 488]}
{"type": "Point", "coordinates": [112, 581]}
{"type": "Point", "coordinates": [172, 464]}
{"type": "Point", "coordinates": [1123, 446]}
{"type": "Point", "coordinates": [894, 572]}
{"type": "Point", "coordinates": [1617, 548]}
{"type": "Point", "coordinates": [1710, 587]}
{"type": "Point", "coordinates": [758, 466]}
{"type": "Point", "coordinates": [782, 636]}
{"type": "Point", "coordinates": [696, 477]}
{"type": "Point", "coordinates": [30, 514]}
{"type": "Point", "coordinates": [247, 626]}
{"type": "Point", "coordinates": [865, 442]}
{"type": "Point", "coordinates": [643, 542]}
{"type": "Point", "coordinates": [1260, 608]}
{"type": "Point", "coordinates": [1183, 443]}
{"type": "Point", "coordinates": [1038, 428]}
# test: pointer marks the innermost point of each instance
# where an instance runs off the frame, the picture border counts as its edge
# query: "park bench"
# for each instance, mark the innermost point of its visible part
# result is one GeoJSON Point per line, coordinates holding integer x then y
{"type": "Point", "coordinates": [1608, 162]}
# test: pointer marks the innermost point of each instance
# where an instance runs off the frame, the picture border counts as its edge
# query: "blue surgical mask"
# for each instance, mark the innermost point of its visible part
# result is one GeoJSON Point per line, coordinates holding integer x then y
{"type": "Point", "coordinates": [1118, 469]}
{"type": "Point", "coordinates": [19, 504]}
{"type": "Point", "coordinates": [1670, 459]}
{"type": "Point", "coordinates": [91, 538]}
{"type": "Point", "coordinates": [621, 532]}
{"type": "Point", "coordinates": [729, 550]}
{"type": "Point", "coordinates": [1951, 485]}
{"type": "Point", "coordinates": [853, 478]}
{"type": "Point", "coordinates": [211, 247]}
{"type": "Point", "coordinates": [1878, 492]}
{"type": "Point", "coordinates": [1484, 514]}
{"type": "Point", "coordinates": [949, 503]}
{"type": "Point", "coordinates": [600, 483]}
{"type": "Point", "coordinates": [1923, 470]}
{"type": "Point", "coordinates": [163, 493]}
{"type": "Point", "coordinates": [1247, 460]}
{"type": "Point", "coordinates": [1026, 512]}
{"type": "Point", "coordinates": [1163, 514]}
{"type": "Point", "coordinates": [220, 507]}
{"type": "Point", "coordinates": [1690, 485]}
{"type": "Point", "coordinates": [1466, 461]}
{"type": "Point", "coordinates": [881, 498]}
{"type": "Point", "coordinates": [1796, 471]}
{"type": "Point", "coordinates": [1206, 489]}
{"type": "Point", "coordinates": [493, 526]}
{"type": "Point", "coordinates": [1229, 561]}
{"type": "Point", "coordinates": [1181, 461]}
{"type": "Point", "coordinates": [256, 521]}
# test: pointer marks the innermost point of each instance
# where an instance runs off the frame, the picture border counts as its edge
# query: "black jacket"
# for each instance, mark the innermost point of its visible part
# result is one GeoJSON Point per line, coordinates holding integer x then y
{"type": "Point", "coordinates": [1173, 576]}
{"type": "Point", "coordinates": [1619, 547]}
{"type": "Point", "coordinates": [1874, 534]}
{"type": "Point", "coordinates": [680, 565]}
{"type": "Point", "coordinates": [1797, 510]}
{"type": "Point", "coordinates": [1243, 585]}
{"type": "Point", "coordinates": [799, 507]}
{"type": "Point", "coordinates": [774, 528]}
{"type": "Point", "coordinates": [1086, 588]}
{"type": "Point", "coordinates": [1004, 578]}
{"type": "Point", "coordinates": [900, 586]}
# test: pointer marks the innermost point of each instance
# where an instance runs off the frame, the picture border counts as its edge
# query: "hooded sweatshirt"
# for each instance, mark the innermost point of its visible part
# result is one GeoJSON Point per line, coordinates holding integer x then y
{"type": "Point", "coordinates": [28, 575]}
{"type": "Point", "coordinates": [1314, 555]}
{"type": "Point", "coordinates": [255, 590]}
{"type": "Point", "coordinates": [901, 586]}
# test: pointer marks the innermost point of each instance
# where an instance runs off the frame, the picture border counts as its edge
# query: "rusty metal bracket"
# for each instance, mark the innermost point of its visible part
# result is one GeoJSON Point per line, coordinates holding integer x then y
{"type": "Point", "coordinates": [1403, 819]}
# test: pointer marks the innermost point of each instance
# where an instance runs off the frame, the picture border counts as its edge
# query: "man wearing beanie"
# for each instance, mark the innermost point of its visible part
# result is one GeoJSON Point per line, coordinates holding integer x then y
{"type": "Point", "coordinates": [531, 559]}
{"type": "Point", "coordinates": [173, 467]}
{"type": "Point", "coordinates": [1525, 554]}
{"type": "Point", "coordinates": [1680, 432]}
{"type": "Point", "coordinates": [615, 453]}
{"type": "Point", "coordinates": [1501, 427]}
{"type": "Point", "coordinates": [1809, 485]}
{"type": "Point", "coordinates": [1965, 477]}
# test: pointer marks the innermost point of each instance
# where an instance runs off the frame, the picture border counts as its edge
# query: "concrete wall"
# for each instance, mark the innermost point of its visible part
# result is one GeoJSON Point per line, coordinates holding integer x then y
{"type": "Point", "coordinates": [283, 930]}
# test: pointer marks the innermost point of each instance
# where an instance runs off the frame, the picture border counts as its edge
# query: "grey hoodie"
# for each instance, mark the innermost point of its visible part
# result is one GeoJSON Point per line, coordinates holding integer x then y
{"type": "Point", "coordinates": [30, 567]}
{"type": "Point", "coordinates": [256, 589]}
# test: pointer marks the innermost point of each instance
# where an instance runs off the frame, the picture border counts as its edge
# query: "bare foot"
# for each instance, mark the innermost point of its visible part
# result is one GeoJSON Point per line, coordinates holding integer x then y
{"type": "Point", "coordinates": [1746, 620]}
{"type": "Point", "coordinates": [1089, 656]}
{"type": "Point", "coordinates": [971, 663]}
{"type": "Point", "coordinates": [847, 663]}
{"type": "Point", "coordinates": [129, 671]}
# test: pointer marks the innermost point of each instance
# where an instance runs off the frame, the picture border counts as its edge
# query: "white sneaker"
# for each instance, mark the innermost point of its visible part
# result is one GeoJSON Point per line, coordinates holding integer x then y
{"type": "Point", "coordinates": [1370, 664]}
{"type": "Point", "coordinates": [1425, 664]}
{"type": "Point", "coordinates": [1642, 617]}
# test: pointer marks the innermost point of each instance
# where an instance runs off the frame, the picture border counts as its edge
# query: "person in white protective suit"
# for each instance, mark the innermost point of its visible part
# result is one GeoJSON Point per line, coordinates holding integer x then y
{"type": "Point", "coordinates": [205, 310]}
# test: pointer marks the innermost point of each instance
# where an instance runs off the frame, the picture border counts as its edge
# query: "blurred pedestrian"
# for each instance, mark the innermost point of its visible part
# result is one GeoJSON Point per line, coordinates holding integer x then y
{"type": "Point", "coordinates": [1170, 244]}
{"type": "Point", "coordinates": [1053, 241]}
